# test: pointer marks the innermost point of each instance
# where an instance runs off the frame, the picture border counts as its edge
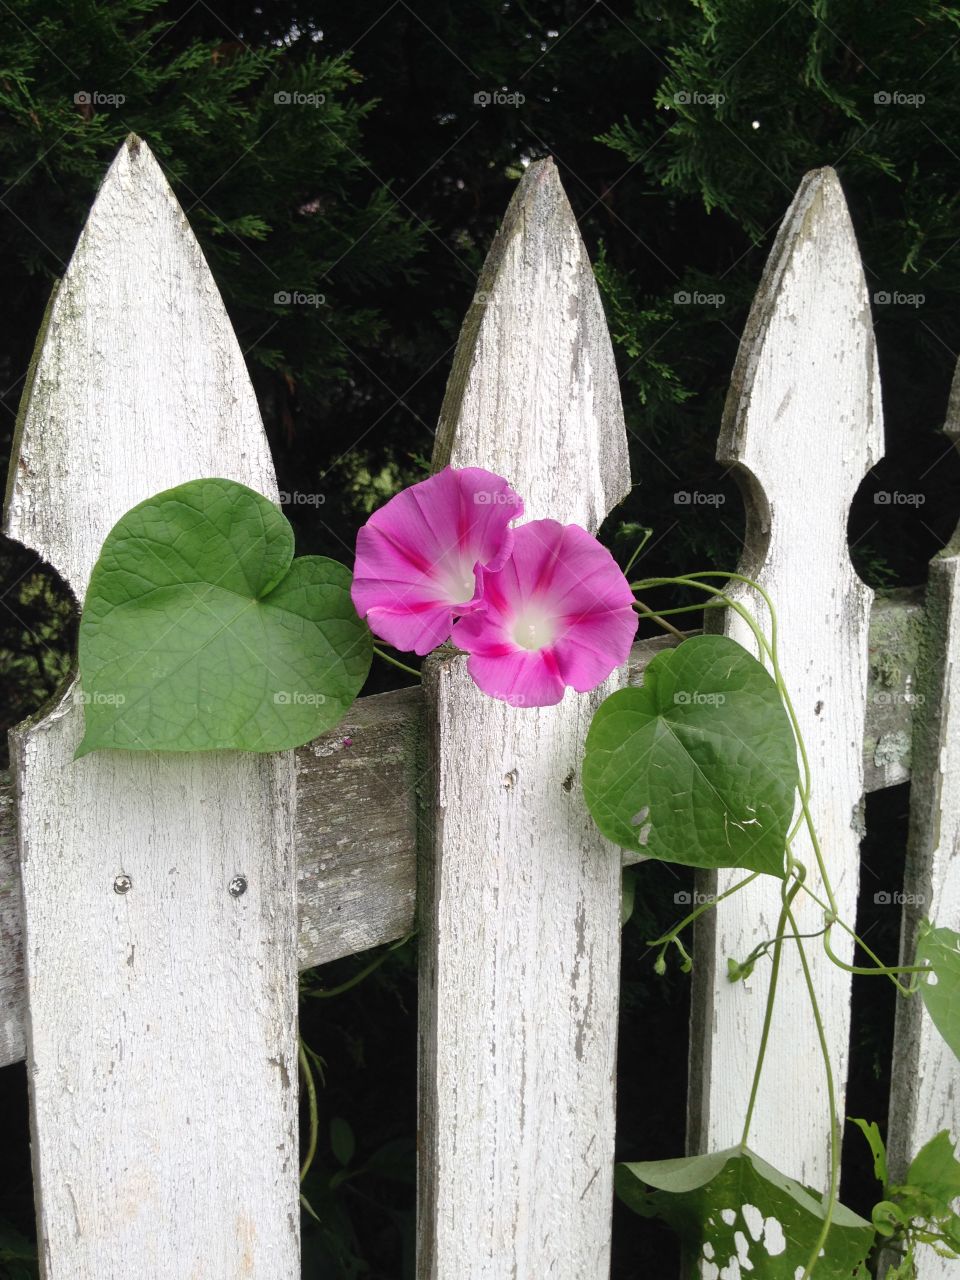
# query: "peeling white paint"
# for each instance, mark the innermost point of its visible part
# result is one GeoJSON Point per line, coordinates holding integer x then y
{"type": "Point", "coordinates": [520, 941]}
{"type": "Point", "coordinates": [163, 1097]}
{"type": "Point", "coordinates": [805, 454]}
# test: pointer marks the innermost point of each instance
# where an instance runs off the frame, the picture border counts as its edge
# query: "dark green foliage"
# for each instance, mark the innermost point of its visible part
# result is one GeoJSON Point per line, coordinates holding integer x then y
{"type": "Point", "coordinates": [277, 193]}
{"type": "Point", "coordinates": [752, 95]}
{"type": "Point", "coordinates": [18, 1256]}
{"type": "Point", "coordinates": [361, 1186]}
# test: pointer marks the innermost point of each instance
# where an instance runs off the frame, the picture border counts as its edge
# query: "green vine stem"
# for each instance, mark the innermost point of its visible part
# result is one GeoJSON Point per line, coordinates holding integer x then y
{"type": "Point", "coordinates": [647, 535]}
{"type": "Point", "coordinates": [659, 619]}
{"type": "Point", "coordinates": [395, 662]}
{"type": "Point", "coordinates": [881, 970]}
{"type": "Point", "coordinates": [834, 1191]}
{"type": "Point", "coordinates": [330, 992]}
{"type": "Point", "coordinates": [761, 950]}
{"type": "Point", "coordinates": [768, 649]}
{"type": "Point", "coordinates": [311, 1087]}
{"type": "Point", "coordinates": [666, 939]}
{"type": "Point", "coordinates": [788, 895]}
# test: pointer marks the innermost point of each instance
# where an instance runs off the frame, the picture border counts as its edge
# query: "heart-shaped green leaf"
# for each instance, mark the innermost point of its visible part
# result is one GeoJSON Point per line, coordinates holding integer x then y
{"type": "Point", "coordinates": [940, 992]}
{"type": "Point", "coordinates": [697, 766]}
{"type": "Point", "coordinates": [200, 632]}
{"type": "Point", "coordinates": [733, 1210]}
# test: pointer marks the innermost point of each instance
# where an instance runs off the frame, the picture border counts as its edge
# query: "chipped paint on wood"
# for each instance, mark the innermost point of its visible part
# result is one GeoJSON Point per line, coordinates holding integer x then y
{"type": "Point", "coordinates": [802, 426]}
{"type": "Point", "coordinates": [158, 1121]}
{"type": "Point", "coordinates": [519, 896]}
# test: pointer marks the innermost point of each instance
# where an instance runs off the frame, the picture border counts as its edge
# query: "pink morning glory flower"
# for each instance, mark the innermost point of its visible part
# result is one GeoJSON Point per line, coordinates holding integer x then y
{"type": "Point", "coordinates": [418, 557]}
{"type": "Point", "coordinates": [559, 612]}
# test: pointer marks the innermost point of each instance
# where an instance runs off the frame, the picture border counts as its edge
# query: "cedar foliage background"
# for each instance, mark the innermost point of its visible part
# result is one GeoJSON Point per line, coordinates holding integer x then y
{"type": "Point", "coordinates": [384, 199]}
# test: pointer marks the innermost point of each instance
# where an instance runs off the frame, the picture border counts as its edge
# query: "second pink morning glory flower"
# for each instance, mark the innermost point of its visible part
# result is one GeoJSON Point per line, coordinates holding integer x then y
{"type": "Point", "coordinates": [419, 556]}
{"type": "Point", "coordinates": [559, 612]}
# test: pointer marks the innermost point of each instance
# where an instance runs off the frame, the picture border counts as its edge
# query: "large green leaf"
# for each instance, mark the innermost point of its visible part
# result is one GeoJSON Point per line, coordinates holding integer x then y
{"type": "Point", "coordinates": [697, 766]}
{"type": "Point", "coordinates": [935, 1170]}
{"type": "Point", "coordinates": [731, 1205]}
{"type": "Point", "coordinates": [201, 632]}
{"type": "Point", "coordinates": [940, 992]}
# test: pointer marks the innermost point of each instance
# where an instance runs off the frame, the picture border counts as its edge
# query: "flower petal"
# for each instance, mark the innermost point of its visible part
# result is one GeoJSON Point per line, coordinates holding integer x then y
{"type": "Point", "coordinates": [520, 678]}
{"type": "Point", "coordinates": [593, 647]}
{"type": "Point", "coordinates": [559, 612]}
{"type": "Point", "coordinates": [418, 555]}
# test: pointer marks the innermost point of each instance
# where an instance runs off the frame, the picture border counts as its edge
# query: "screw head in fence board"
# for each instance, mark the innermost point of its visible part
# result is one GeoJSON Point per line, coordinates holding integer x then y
{"type": "Point", "coordinates": [925, 1089]}
{"type": "Point", "coordinates": [161, 1028]}
{"type": "Point", "coordinates": [519, 895]}
{"type": "Point", "coordinates": [802, 426]}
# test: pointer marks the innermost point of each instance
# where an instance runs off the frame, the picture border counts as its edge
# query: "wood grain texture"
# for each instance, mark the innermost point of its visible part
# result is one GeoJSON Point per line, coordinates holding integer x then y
{"type": "Point", "coordinates": [925, 1089]}
{"type": "Point", "coordinates": [161, 1035]}
{"type": "Point", "coordinates": [802, 426]}
{"type": "Point", "coordinates": [13, 1044]}
{"type": "Point", "coordinates": [519, 896]}
{"type": "Point", "coordinates": [357, 800]}
{"type": "Point", "coordinates": [356, 828]}
{"type": "Point", "coordinates": [894, 700]}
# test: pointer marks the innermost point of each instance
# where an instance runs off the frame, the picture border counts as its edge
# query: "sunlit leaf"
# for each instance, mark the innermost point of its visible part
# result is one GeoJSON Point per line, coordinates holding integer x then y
{"type": "Point", "coordinates": [935, 1170]}
{"type": "Point", "coordinates": [697, 766]}
{"type": "Point", "coordinates": [201, 632]}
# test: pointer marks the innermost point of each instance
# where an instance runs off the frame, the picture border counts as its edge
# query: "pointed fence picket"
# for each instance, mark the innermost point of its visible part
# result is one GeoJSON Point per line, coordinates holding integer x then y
{"type": "Point", "coordinates": [801, 428]}
{"type": "Point", "coordinates": [520, 895]}
{"type": "Point", "coordinates": [158, 1011]}
{"type": "Point", "coordinates": [161, 1033]}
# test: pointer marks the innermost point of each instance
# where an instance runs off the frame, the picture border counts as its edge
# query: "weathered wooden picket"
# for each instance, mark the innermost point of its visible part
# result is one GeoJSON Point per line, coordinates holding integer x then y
{"type": "Point", "coordinates": [157, 1007]}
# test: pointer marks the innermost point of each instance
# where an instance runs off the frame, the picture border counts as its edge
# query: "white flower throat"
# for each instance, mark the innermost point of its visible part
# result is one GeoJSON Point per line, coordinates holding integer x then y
{"type": "Point", "coordinates": [459, 582]}
{"type": "Point", "coordinates": [534, 629]}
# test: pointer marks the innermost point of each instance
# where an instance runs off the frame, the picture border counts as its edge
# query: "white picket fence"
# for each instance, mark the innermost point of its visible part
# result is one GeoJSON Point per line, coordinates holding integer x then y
{"type": "Point", "coordinates": [158, 1011]}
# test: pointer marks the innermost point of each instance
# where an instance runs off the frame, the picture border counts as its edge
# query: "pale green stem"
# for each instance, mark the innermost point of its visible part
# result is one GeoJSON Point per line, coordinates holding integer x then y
{"type": "Point", "coordinates": [648, 534]}
{"type": "Point", "coordinates": [881, 968]}
{"type": "Point", "coordinates": [788, 896]}
{"type": "Point", "coordinates": [358, 977]}
{"type": "Point", "coordinates": [395, 662]}
{"type": "Point", "coordinates": [312, 1107]}
{"type": "Point", "coordinates": [659, 620]}
{"type": "Point", "coordinates": [667, 938]}
{"type": "Point", "coordinates": [833, 1193]}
